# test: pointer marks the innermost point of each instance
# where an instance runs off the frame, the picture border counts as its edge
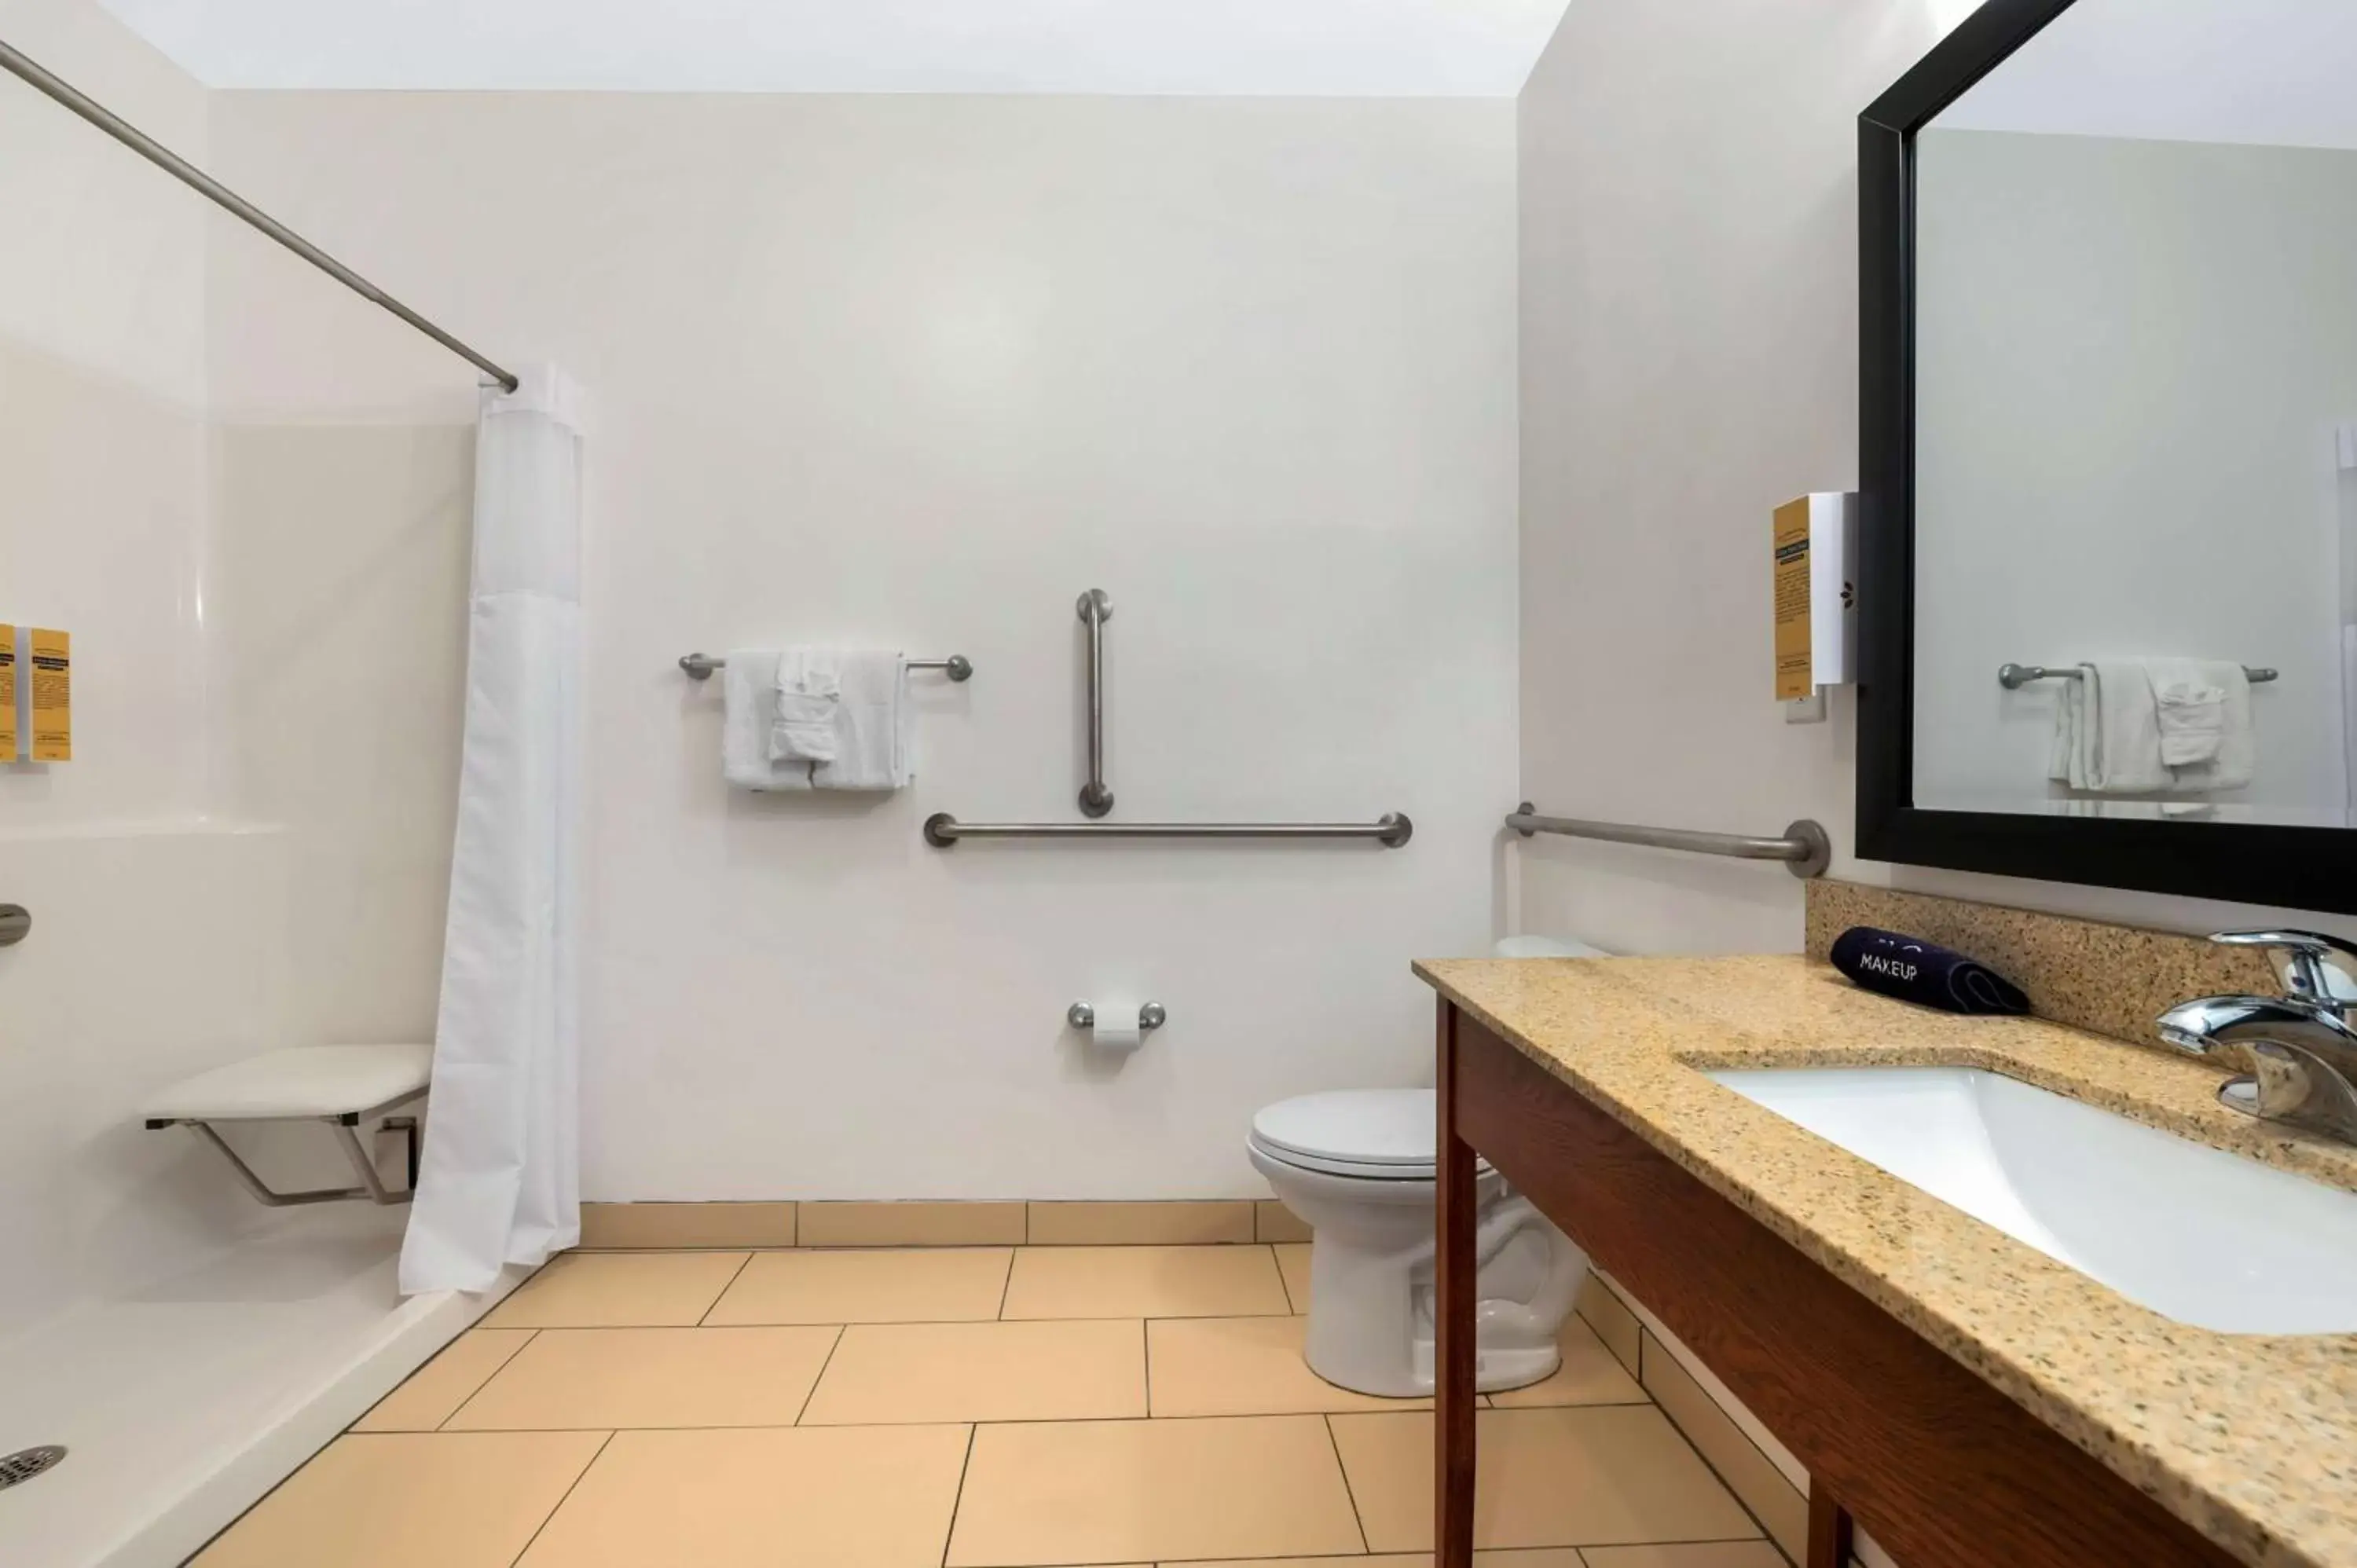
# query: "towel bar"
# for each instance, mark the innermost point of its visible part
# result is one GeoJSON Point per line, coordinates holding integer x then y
{"type": "Point", "coordinates": [2014, 677]}
{"type": "Point", "coordinates": [700, 666]}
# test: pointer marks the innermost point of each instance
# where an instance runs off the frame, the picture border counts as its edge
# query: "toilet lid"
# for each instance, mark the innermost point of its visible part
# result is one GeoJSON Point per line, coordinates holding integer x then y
{"type": "Point", "coordinates": [1387, 1132]}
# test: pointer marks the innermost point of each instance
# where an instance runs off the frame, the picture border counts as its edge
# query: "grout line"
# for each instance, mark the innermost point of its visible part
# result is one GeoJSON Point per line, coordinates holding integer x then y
{"type": "Point", "coordinates": [957, 1498]}
{"type": "Point", "coordinates": [832, 1346]}
{"type": "Point", "coordinates": [529, 1335]}
{"type": "Point", "coordinates": [1007, 1284]}
{"type": "Point", "coordinates": [1335, 1443]}
{"type": "Point", "coordinates": [714, 1306]}
{"type": "Point", "coordinates": [1645, 1337]}
{"type": "Point", "coordinates": [566, 1497]}
{"type": "Point", "coordinates": [1145, 1343]}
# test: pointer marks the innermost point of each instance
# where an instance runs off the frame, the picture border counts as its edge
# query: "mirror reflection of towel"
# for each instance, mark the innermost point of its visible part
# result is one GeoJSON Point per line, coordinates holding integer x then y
{"type": "Point", "coordinates": [2154, 726]}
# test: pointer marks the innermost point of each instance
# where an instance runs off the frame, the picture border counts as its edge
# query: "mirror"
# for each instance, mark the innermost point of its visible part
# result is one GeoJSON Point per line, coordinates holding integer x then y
{"type": "Point", "coordinates": [2112, 255]}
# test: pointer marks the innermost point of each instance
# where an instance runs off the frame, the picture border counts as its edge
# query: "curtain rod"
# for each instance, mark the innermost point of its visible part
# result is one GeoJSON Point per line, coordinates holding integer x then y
{"type": "Point", "coordinates": [196, 180]}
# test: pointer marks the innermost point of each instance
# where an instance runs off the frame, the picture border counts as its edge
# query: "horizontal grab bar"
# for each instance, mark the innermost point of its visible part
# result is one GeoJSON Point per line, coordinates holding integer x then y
{"type": "Point", "coordinates": [700, 666]}
{"type": "Point", "coordinates": [1805, 849]}
{"type": "Point", "coordinates": [1392, 829]}
{"type": "Point", "coordinates": [2014, 677]}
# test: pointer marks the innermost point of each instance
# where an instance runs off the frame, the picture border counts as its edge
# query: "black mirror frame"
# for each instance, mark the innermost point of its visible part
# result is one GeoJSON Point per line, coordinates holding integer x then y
{"type": "Point", "coordinates": [2295, 867]}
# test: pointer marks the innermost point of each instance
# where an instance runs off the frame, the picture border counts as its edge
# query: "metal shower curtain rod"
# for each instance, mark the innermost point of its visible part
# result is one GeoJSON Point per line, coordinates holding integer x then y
{"type": "Point", "coordinates": [196, 179]}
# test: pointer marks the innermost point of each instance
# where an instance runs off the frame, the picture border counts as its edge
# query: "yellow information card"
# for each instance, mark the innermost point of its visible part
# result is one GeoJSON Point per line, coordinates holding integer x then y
{"type": "Point", "coordinates": [10, 745]}
{"type": "Point", "coordinates": [52, 679]}
{"type": "Point", "coordinates": [1795, 673]}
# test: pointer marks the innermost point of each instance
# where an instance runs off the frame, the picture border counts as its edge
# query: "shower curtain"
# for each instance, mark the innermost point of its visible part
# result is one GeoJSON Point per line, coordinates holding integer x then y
{"type": "Point", "coordinates": [500, 1182]}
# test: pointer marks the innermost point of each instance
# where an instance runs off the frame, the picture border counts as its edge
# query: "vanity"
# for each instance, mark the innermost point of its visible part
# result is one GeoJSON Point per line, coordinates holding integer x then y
{"type": "Point", "coordinates": [1965, 1397]}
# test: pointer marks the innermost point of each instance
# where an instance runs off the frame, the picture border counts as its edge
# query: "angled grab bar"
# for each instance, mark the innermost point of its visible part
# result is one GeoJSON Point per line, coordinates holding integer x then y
{"type": "Point", "coordinates": [1805, 849]}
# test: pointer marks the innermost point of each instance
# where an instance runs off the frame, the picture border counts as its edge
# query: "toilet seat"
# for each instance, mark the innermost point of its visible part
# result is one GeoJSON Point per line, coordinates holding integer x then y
{"type": "Point", "coordinates": [1368, 1134]}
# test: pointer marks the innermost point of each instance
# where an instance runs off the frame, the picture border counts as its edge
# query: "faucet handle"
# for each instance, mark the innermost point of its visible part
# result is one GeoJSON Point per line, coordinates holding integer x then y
{"type": "Point", "coordinates": [2312, 966]}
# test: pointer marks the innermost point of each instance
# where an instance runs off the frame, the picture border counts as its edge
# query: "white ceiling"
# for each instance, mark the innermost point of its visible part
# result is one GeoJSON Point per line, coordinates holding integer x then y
{"type": "Point", "coordinates": [2281, 72]}
{"type": "Point", "coordinates": [1319, 48]}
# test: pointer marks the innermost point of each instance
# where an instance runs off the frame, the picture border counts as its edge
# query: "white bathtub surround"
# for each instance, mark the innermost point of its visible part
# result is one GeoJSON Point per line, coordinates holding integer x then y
{"type": "Point", "coordinates": [501, 1181]}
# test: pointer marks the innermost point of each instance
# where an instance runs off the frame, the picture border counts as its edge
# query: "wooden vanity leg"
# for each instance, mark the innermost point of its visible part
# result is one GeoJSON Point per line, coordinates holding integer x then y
{"type": "Point", "coordinates": [1453, 1323]}
{"type": "Point", "coordinates": [1829, 1529]}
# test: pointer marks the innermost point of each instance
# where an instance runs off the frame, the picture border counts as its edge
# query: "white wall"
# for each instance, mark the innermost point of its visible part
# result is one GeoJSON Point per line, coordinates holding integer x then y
{"type": "Point", "coordinates": [1688, 360]}
{"type": "Point", "coordinates": [917, 372]}
{"type": "Point", "coordinates": [2132, 360]}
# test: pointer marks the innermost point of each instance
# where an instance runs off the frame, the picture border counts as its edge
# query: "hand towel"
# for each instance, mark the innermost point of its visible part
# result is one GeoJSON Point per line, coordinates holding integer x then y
{"type": "Point", "coordinates": [2191, 698]}
{"type": "Point", "coordinates": [809, 700]}
{"type": "Point", "coordinates": [2108, 731]}
{"type": "Point", "coordinates": [2236, 761]}
{"type": "Point", "coordinates": [871, 724]}
{"type": "Point", "coordinates": [1917, 970]}
{"type": "Point", "coordinates": [749, 688]}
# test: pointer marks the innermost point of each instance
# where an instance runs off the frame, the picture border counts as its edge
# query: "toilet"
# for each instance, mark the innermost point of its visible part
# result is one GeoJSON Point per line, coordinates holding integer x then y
{"type": "Point", "coordinates": [1357, 1166]}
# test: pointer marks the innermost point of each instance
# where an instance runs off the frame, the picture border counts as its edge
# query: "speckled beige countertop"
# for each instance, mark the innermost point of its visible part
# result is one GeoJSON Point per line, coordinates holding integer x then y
{"type": "Point", "coordinates": [2251, 1439]}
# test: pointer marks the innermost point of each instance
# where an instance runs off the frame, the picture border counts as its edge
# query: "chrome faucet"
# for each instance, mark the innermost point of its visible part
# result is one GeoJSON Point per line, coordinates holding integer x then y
{"type": "Point", "coordinates": [2301, 1045]}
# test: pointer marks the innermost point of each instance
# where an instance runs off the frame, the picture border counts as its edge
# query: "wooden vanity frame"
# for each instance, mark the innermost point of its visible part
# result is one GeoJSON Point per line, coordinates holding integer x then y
{"type": "Point", "coordinates": [1935, 1463]}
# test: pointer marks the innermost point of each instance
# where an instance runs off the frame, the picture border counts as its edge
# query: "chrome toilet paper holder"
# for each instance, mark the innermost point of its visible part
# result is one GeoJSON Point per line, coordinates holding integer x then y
{"type": "Point", "coordinates": [1083, 1015]}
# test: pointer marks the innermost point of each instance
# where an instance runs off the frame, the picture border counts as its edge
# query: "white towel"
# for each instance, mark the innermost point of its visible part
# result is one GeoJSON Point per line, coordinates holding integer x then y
{"type": "Point", "coordinates": [809, 700]}
{"type": "Point", "coordinates": [871, 724]}
{"type": "Point", "coordinates": [2108, 731]}
{"type": "Point", "coordinates": [2232, 762]}
{"type": "Point", "coordinates": [750, 701]}
{"type": "Point", "coordinates": [2191, 698]}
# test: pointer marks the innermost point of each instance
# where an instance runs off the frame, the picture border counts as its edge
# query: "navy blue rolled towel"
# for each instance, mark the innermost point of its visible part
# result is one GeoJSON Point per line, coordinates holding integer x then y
{"type": "Point", "coordinates": [1915, 971]}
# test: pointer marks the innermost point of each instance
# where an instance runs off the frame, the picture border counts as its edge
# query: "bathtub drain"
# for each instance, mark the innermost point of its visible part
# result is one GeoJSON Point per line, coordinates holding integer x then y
{"type": "Point", "coordinates": [27, 1462]}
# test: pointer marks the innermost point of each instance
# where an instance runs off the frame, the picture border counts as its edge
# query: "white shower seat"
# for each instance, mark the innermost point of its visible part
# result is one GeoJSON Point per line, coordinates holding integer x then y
{"type": "Point", "coordinates": [340, 1085]}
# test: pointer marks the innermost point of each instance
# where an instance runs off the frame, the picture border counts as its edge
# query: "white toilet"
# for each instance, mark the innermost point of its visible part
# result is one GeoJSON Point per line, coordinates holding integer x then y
{"type": "Point", "coordinates": [1356, 1166]}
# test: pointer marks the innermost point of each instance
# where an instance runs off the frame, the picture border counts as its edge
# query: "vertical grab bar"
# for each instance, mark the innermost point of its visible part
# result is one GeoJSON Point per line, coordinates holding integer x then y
{"type": "Point", "coordinates": [1095, 608]}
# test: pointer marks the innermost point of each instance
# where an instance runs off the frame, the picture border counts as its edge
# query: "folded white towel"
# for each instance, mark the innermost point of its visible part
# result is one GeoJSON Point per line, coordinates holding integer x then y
{"type": "Point", "coordinates": [749, 711]}
{"type": "Point", "coordinates": [2108, 731]}
{"type": "Point", "coordinates": [808, 698]}
{"type": "Point", "coordinates": [2191, 695]}
{"type": "Point", "coordinates": [2233, 761]}
{"type": "Point", "coordinates": [871, 724]}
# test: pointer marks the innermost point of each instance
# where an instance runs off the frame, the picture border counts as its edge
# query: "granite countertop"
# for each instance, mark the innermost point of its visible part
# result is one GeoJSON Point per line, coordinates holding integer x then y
{"type": "Point", "coordinates": [2249, 1438]}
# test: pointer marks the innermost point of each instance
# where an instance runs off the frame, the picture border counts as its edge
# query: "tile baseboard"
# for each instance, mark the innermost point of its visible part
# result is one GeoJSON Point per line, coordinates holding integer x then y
{"type": "Point", "coordinates": [673, 1227]}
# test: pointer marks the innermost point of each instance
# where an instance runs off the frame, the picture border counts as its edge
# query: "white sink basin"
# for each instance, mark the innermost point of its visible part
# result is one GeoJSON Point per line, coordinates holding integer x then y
{"type": "Point", "coordinates": [2194, 1233]}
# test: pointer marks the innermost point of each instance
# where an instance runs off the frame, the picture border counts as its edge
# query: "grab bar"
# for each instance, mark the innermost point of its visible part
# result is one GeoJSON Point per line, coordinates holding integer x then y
{"type": "Point", "coordinates": [1391, 830]}
{"type": "Point", "coordinates": [700, 666]}
{"type": "Point", "coordinates": [2014, 677]}
{"type": "Point", "coordinates": [1805, 849]}
{"type": "Point", "coordinates": [1095, 608]}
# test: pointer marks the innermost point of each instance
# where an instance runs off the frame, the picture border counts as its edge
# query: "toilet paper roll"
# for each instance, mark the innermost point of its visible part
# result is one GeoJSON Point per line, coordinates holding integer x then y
{"type": "Point", "coordinates": [1118, 1027]}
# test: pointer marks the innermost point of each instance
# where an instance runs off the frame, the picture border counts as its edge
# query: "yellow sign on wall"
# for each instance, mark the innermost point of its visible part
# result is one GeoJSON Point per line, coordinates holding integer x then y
{"type": "Point", "coordinates": [52, 681]}
{"type": "Point", "coordinates": [1795, 673]}
{"type": "Point", "coordinates": [9, 743]}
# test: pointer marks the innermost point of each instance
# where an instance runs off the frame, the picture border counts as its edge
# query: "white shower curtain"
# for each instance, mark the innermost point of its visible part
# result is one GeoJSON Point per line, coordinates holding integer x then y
{"type": "Point", "coordinates": [501, 1181]}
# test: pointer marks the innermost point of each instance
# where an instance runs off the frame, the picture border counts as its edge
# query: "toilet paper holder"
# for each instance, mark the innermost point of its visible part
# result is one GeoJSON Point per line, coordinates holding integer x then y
{"type": "Point", "coordinates": [1083, 1015]}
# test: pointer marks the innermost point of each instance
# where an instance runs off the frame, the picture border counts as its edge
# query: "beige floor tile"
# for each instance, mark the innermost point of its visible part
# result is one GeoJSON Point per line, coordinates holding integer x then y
{"type": "Point", "coordinates": [606, 1290]}
{"type": "Point", "coordinates": [651, 1377]}
{"type": "Point", "coordinates": [445, 1382]}
{"type": "Point", "coordinates": [1244, 1366]}
{"type": "Point", "coordinates": [1055, 1370]}
{"type": "Point", "coordinates": [1272, 1221]}
{"type": "Point", "coordinates": [1144, 1282]}
{"type": "Point", "coordinates": [1780, 1504]}
{"type": "Point", "coordinates": [399, 1499]}
{"type": "Point", "coordinates": [1703, 1555]}
{"type": "Point", "coordinates": [1589, 1375]}
{"type": "Point", "coordinates": [867, 1497]}
{"type": "Point", "coordinates": [1140, 1224]}
{"type": "Point", "coordinates": [1292, 1262]}
{"type": "Point", "coordinates": [1545, 1557]}
{"type": "Point", "coordinates": [912, 1224]}
{"type": "Point", "coordinates": [1112, 1491]}
{"type": "Point", "coordinates": [688, 1225]}
{"type": "Point", "coordinates": [1566, 1476]}
{"type": "Point", "coordinates": [929, 1285]}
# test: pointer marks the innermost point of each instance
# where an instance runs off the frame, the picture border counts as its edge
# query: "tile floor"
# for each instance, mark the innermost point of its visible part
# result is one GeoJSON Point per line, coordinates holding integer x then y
{"type": "Point", "coordinates": [987, 1407]}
